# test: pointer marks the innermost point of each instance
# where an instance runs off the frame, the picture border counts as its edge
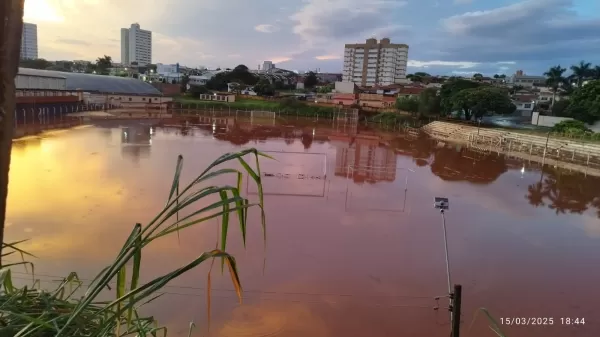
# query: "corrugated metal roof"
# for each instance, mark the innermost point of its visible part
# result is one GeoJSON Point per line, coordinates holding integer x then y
{"type": "Point", "coordinates": [96, 83]}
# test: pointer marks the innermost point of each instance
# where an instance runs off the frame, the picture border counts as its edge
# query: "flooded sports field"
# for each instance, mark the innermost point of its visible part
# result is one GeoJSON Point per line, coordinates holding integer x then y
{"type": "Point", "coordinates": [354, 245]}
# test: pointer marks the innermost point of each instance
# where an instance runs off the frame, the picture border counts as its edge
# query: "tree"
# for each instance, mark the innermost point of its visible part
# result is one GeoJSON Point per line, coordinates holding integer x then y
{"type": "Point", "coordinates": [311, 80]}
{"type": "Point", "coordinates": [264, 88]}
{"type": "Point", "coordinates": [408, 104]}
{"type": "Point", "coordinates": [451, 88]}
{"type": "Point", "coordinates": [581, 71]}
{"type": "Point", "coordinates": [555, 79]}
{"type": "Point", "coordinates": [11, 14]}
{"type": "Point", "coordinates": [596, 73]}
{"type": "Point", "coordinates": [478, 76]}
{"type": "Point", "coordinates": [496, 76]}
{"type": "Point", "coordinates": [35, 63]}
{"type": "Point", "coordinates": [103, 64]}
{"type": "Point", "coordinates": [429, 102]}
{"type": "Point", "coordinates": [585, 103]}
{"type": "Point", "coordinates": [478, 101]}
{"type": "Point", "coordinates": [516, 89]}
{"type": "Point", "coordinates": [185, 80]}
{"type": "Point", "coordinates": [560, 108]}
{"type": "Point", "coordinates": [325, 89]}
{"type": "Point", "coordinates": [197, 90]}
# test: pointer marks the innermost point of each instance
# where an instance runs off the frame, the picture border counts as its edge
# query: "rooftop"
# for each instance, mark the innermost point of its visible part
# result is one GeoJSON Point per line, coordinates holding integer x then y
{"type": "Point", "coordinates": [96, 83]}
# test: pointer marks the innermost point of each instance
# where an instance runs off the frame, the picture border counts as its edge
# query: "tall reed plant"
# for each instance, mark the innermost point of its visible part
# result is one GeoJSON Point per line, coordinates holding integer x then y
{"type": "Point", "coordinates": [29, 311]}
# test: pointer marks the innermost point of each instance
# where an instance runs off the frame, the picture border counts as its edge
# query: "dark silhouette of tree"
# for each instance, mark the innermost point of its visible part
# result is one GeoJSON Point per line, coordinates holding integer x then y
{"type": "Point", "coordinates": [311, 80]}
{"type": "Point", "coordinates": [35, 63]}
{"type": "Point", "coordinates": [581, 71]}
{"type": "Point", "coordinates": [103, 64]}
{"type": "Point", "coordinates": [555, 79]}
{"type": "Point", "coordinates": [536, 194]}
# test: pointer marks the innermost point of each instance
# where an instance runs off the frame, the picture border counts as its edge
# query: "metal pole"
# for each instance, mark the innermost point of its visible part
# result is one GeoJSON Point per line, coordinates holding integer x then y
{"type": "Point", "coordinates": [456, 310]}
{"type": "Point", "coordinates": [446, 250]}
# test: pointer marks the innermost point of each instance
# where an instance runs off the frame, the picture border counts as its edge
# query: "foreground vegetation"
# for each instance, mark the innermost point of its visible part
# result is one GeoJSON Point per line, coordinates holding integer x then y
{"type": "Point", "coordinates": [28, 311]}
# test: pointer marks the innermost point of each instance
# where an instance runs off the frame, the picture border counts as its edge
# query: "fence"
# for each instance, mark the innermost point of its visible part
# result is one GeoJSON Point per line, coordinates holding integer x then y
{"type": "Point", "coordinates": [578, 155]}
{"type": "Point", "coordinates": [223, 110]}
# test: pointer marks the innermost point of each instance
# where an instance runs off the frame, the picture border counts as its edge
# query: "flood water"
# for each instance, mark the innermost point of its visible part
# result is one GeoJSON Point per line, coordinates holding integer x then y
{"type": "Point", "coordinates": [354, 246]}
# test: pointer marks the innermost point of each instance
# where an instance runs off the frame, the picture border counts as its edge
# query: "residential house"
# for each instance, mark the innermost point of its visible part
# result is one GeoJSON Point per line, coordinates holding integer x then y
{"type": "Point", "coordinates": [410, 91]}
{"type": "Point", "coordinates": [377, 101]}
{"type": "Point", "coordinates": [525, 104]}
{"type": "Point", "coordinates": [344, 99]}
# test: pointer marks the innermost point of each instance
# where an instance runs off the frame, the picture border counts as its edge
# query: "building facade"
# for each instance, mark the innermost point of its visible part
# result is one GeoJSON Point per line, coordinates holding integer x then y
{"type": "Point", "coordinates": [136, 45]}
{"type": "Point", "coordinates": [527, 81]}
{"type": "Point", "coordinates": [29, 43]}
{"type": "Point", "coordinates": [375, 63]}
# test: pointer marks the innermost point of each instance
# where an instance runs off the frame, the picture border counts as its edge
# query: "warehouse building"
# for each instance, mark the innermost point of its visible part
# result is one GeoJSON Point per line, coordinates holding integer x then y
{"type": "Point", "coordinates": [45, 92]}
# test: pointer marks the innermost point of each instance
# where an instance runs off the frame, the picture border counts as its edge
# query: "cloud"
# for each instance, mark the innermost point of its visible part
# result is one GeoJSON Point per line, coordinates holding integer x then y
{"type": "Point", "coordinates": [488, 37]}
{"type": "Point", "coordinates": [265, 28]}
{"type": "Point", "coordinates": [328, 57]}
{"type": "Point", "coordinates": [529, 30]}
{"type": "Point", "coordinates": [322, 21]}
{"type": "Point", "coordinates": [73, 42]}
{"type": "Point", "coordinates": [463, 2]}
{"type": "Point", "coordinates": [426, 64]}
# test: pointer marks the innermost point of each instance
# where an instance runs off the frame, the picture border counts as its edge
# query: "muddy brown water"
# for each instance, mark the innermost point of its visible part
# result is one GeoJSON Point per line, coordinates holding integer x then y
{"type": "Point", "coordinates": [358, 254]}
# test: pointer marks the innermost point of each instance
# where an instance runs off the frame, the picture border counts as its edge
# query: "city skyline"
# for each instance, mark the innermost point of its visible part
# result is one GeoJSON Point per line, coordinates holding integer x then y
{"type": "Point", "coordinates": [454, 37]}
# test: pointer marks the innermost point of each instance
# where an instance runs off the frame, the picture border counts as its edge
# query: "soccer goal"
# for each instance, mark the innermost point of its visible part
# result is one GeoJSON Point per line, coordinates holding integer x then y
{"type": "Point", "coordinates": [377, 188]}
{"type": "Point", "coordinates": [291, 174]}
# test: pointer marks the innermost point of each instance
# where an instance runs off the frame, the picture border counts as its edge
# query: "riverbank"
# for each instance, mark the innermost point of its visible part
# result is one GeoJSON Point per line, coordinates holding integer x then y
{"type": "Point", "coordinates": [571, 154]}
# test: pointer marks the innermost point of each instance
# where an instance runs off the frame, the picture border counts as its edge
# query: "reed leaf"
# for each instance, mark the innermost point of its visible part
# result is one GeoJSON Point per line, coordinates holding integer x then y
{"type": "Point", "coordinates": [40, 313]}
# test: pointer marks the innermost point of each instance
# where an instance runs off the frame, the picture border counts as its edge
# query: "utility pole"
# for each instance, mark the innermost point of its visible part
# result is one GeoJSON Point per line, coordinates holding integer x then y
{"type": "Point", "coordinates": [11, 14]}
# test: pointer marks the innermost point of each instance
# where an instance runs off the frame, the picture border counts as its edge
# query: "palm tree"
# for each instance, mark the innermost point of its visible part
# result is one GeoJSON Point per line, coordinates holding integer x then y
{"type": "Point", "coordinates": [581, 72]}
{"type": "Point", "coordinates": [555, 79]}
{"type": "Point", "coordinates": [596, 73]}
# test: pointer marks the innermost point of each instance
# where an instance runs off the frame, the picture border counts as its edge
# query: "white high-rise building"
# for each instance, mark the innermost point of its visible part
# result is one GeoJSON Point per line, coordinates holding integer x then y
{"type": "Point", "coordinates": [136, 45]}
{"type": "Point", "coordinates": [29, 43]}
{"type": "Point", "coordinates": [375, 63]}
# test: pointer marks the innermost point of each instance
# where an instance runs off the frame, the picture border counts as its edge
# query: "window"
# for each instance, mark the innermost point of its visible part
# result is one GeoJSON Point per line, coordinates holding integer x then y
{"type": "Point", "coordinates": [129, 99]}
{"type": "Point", "coordinates": [528, 106]}
{"type": "Point", "coordinates": [143, 98]}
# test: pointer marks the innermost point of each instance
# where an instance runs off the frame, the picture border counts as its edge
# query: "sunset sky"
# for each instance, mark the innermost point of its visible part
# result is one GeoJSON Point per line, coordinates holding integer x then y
{"type": "Point", "coordinates": [445, 36]}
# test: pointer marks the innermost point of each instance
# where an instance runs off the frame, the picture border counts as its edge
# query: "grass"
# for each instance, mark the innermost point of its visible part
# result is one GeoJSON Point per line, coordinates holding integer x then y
{"type": "Point", "coordinates": [284, 107]}
{"type": "Point", "coordinates": [28, 311]}
{"type": "Point", "coordinates": [238, 104]}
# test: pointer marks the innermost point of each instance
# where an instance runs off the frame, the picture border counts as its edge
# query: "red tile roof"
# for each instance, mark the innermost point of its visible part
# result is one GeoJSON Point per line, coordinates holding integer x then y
{"type": "Point", "coordinates": [389, 99]}
{"type": "Point", "coordinates": [410, 91]}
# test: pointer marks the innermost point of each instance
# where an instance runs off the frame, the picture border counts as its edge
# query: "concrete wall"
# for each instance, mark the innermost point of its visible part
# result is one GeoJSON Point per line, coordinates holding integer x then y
{"type": "Point", "coordinates": [344, 87]}
{"type": "Point", "coordinates": [550, 121]}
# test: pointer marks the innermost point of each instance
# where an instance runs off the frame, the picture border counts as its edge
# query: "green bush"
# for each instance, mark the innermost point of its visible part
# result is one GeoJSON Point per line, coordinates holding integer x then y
{"type": "Point", "coordinates": [570, 126]}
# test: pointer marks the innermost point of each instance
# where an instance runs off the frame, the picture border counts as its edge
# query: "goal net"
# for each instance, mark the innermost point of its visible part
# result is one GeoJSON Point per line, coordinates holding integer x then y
{"type": "Point", "coordinates": [291, 174]}
{"type": "Point", "coordinates": [263, 114]}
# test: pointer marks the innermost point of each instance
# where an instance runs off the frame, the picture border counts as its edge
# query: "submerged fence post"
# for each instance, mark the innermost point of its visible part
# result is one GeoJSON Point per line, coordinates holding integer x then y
{"type": "Point", "coordinates": [456, 310]}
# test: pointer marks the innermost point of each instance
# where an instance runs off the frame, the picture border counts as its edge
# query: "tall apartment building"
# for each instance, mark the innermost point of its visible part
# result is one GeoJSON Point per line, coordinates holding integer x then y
{"type": "Point", "coordinates": [375, 63]}
{"type": "Point", "coordinates": [29, 43]}
{"type": "Point", "coordinates": [136, 45]}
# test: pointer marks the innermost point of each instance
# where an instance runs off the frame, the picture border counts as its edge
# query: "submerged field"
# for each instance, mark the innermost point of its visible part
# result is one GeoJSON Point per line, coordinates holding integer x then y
{"type": "Point", "coordinates": [348, 254]}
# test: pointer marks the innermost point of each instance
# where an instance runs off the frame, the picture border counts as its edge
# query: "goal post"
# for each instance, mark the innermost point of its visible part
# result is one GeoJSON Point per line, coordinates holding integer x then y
{"type": "Point", "coordinates": [298, 174]}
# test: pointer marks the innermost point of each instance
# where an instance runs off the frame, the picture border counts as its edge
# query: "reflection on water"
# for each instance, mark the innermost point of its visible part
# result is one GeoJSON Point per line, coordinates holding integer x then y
{"type": "Point", "coordinates": [523, 241]}
{"type": "Point", "coordinates": [136, 141]}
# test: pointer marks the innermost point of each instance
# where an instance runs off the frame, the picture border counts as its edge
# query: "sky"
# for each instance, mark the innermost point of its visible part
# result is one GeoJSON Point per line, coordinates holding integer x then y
{"type": "Point", "coordinates": [445, 37]}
